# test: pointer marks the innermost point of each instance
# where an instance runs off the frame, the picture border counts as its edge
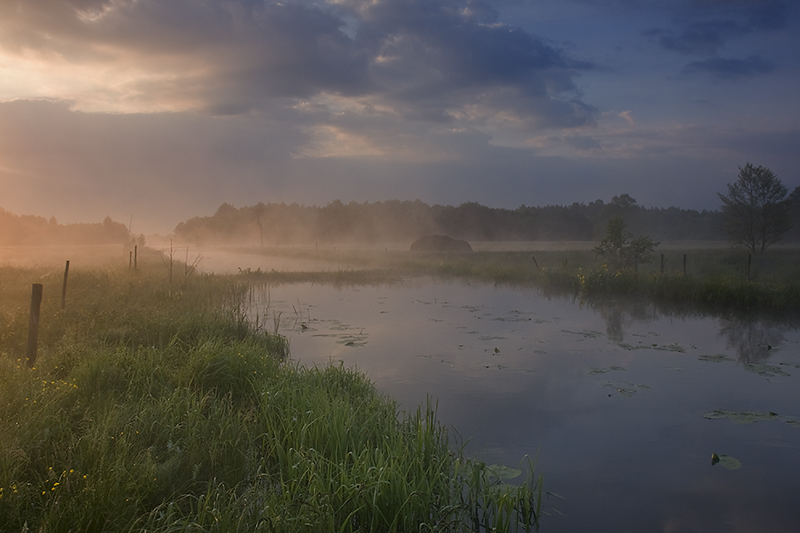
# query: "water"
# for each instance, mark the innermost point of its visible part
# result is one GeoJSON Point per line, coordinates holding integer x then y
{"type": "Point", "coordinates": [609, 399]}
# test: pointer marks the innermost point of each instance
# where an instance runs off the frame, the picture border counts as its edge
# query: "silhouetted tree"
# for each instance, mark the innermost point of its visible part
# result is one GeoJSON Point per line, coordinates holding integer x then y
{"type": "Point", "coordinates": [618, 248]}
{"type": "Point", "coordinates": [755, 209]}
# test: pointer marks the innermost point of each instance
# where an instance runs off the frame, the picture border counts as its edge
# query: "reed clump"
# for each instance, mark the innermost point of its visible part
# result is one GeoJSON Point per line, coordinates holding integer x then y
{"type": "Point", "coordinates": [160, 407]}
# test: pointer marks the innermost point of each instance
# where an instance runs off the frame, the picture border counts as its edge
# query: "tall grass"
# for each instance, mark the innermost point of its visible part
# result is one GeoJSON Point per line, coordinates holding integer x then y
{"type": "Point", "coordinates": [715, 277]}
{"type": "Point", "coordinates": [158, 407]}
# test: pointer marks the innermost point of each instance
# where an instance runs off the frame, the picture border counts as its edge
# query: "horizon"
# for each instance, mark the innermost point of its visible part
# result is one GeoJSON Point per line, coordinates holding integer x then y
{"type": "Point", "coordinates": [321, 206]}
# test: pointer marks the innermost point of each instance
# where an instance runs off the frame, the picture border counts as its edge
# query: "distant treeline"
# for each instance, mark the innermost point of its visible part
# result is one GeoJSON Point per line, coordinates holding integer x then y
{"type": "Point", "coordinates": [31, 230]}
{"type": "Point", "coordinates": [405, 221]}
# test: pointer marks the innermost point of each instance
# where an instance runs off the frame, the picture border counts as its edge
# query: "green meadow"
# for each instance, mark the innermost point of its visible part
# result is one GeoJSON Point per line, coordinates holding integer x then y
{"type": "Point", "coordinates": [159, 406]}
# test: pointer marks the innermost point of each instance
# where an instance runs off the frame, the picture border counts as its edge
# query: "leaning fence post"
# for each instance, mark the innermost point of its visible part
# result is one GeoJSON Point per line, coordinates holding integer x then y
{"type": "Point", "coordinates": [33, 324]}
{"type": "Point", "coordinates": [64, 288]}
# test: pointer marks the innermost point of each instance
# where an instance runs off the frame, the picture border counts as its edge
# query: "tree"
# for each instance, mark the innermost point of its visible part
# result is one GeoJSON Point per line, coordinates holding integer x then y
{"type": "Point", "coordinates": [618, 248]}
{"type": "Point", "coordinates": [755, 210]}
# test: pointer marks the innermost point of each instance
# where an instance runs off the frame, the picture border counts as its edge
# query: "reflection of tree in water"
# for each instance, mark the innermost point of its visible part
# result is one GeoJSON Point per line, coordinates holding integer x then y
{"type": "Point", "coordinates": [750, 335]}
{"type": "Point", "coordinates": [752, 339]}
{"type": "Point", "coordinates": [618, 315]}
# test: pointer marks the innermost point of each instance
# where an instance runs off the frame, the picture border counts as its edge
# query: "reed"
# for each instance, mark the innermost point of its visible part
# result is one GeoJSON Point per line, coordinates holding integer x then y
{"type": "Point", "coordinates": [155, 407]}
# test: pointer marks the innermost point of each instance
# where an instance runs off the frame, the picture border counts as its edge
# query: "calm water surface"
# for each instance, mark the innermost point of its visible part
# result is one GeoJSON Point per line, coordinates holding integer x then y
{"type": "Point", "coordinates": [621, 405]}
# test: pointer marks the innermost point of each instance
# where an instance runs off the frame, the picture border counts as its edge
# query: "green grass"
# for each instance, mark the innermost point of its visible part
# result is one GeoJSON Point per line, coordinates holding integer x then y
{"type": "Point", "coordinates": [714, 277]}
{"type": "Point", "coordinates": [159, 407]}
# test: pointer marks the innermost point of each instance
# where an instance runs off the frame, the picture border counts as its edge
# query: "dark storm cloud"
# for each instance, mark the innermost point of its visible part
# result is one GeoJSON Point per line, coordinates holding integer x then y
{"type": "Point", "coordinates": [701, 39]}
{"type": "Point", "coordinates": [704, 27]}
{"type": "Point", "coordinates": [729, 69]}
{"type": "Point", "coordinates": [427, 58]}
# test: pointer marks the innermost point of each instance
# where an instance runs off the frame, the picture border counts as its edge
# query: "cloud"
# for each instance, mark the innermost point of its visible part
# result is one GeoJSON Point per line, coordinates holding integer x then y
{"type": "Point", "coordinates": [729, 69]}
{"type": "Point", "coordinates": [700, 39]}
{"type": "Point", "coordinates": [706, 26]}
{"type": "Point", "coordinates": [425, 59]}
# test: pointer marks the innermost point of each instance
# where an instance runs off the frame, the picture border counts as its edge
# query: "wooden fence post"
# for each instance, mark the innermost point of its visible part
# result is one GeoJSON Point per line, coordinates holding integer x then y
{"type": "Point", "coordinates": [135, 259]}
{"type": "Point", "coordinates": [684, 265]}
{"type": "Point", "coordinates": [64, 288]}
{"type": "Point", "coordinates": [749, 259]}
{"type": "Point", "coordinates": [535, 262]}
{"type": "Point", "coordinates": [662, 263]}
{"type": "Point", "coordinates": [33, 324]}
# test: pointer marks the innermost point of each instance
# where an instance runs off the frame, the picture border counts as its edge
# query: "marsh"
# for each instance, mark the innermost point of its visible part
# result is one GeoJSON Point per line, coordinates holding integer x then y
{"type": "Point", "coordinates": [621, 402]}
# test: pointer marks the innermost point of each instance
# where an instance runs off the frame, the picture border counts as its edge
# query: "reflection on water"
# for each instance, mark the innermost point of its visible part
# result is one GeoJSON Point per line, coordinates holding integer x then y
{"type": "Point", "coordinates": [753, 340]}
{"type": "Point", "coordinates": [623, 403]}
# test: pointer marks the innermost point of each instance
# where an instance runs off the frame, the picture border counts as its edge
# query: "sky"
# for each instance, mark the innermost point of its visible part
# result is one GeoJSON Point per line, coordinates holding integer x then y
{"type": "Point", "coordinates": [157, 111]}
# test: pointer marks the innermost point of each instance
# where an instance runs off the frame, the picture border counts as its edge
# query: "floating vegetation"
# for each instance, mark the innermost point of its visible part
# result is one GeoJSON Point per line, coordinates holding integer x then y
{"type": "Point", "coordinates": [627, 389]}
{"type": "Point", "coordinates": [515, 318]}
{"type": "Point", "coordinates": [750, 417]}
{"type": "Point", "coordinates": [491, 338]}
{"type": "Point", "coordinates": [741, 417]}
{"type": "Point", "coordinates": [584, 334]}
{"type": "Point", "coordinates": [769, 371]}
{"type": "Point", "coordinates": [731, 463]}
{"type": "Point", "coordinates": [595, 371]}
{"type": "Point", "coordinates": [664, 348]}
{"type": "Point", "coordinates": [717, 358]}
{"type": "Point", "coordinates": [766, 370]}
{"type": "Point", "coordinates": [353, 341]}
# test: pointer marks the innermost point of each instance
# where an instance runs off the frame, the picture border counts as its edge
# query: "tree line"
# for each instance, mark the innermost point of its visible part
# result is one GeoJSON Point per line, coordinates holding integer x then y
{"type": "Point", "coordinates": [405, 221]}
{"type": "Point", "coordinates": [32, 230]}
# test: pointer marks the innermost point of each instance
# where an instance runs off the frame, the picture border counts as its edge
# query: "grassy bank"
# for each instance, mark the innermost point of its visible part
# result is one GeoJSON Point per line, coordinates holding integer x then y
{"type": "Point", "coordinates": [158, 407]}
{"type": "Point", "coordinates": [714, 277]}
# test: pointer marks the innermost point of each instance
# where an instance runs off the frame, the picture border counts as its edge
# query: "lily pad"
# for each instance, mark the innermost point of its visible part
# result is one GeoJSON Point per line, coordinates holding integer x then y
{"type": "Point", "coordinates": [502, 472]}
{"type": "Point", "coordinates": [595, 371]}
{"type": "Point", "coordinates": [740, 417]}
{"type": "Point", "coordinates": [584, 334]}
{"type": "Point", "coordinates": [731, 463]}
{"type": "Point", "coordinates": [664, 348]}
{"type": "Point", "coordinates": [626, 390]}
{"type": "Point", "coordinates": [792, 421]}
{"type": "Point", "coordinates": [353, 341]}
{"type": "Point", "coordinates": [766, 370]}
{"type": "Point", "coordinates": [717, 358]}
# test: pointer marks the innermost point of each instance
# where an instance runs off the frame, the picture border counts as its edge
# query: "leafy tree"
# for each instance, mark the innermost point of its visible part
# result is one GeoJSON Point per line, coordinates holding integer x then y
{"type": "Point", "coordinates": [755, 209]}
{"type": "Point", "coordinates": [621, 249]}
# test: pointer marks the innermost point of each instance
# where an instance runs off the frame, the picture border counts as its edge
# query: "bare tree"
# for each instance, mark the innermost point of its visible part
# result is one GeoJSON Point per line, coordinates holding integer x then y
{"type": "Point", "coordinates": [755, 210]}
